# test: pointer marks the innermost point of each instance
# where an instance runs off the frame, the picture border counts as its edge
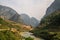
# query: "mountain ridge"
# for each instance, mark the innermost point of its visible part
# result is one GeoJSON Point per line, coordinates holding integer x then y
{"type": "Point", "coordinates": [53, 7]}
{"type": "Point", "coordinates": [9, 13]}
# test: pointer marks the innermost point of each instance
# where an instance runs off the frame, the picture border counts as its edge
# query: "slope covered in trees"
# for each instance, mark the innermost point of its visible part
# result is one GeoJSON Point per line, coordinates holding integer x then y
{"type": "Point", "coordinates": [52, 21]}
{"type": "Point", "coordinates": [49, 28]}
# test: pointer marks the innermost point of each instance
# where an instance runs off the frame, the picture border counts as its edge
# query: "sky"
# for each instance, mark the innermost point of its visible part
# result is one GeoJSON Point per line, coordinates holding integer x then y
{"type": "Point", "coordinates": [33, 8]}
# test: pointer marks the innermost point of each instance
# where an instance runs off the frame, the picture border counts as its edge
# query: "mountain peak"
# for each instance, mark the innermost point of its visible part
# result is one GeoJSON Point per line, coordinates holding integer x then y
{"type": "Point", "coordinates": [10, 14]}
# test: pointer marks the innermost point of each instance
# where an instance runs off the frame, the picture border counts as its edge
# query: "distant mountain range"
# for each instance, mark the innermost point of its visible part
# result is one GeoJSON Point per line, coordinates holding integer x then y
{"type": "Point", "coordinates": [9, 13]}
{"type": "Point", "coordinates": [29, 21]}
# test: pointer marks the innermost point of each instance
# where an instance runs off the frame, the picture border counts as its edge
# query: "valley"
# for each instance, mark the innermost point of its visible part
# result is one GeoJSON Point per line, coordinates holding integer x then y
{"type": "Point", "coordinates": [15, 26]}
{"type": "Point", "coordinates": [19, 30]}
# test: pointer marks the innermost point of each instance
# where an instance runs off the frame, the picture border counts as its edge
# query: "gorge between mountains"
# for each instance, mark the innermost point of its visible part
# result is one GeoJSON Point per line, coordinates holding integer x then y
{"type": "Point", "coordinates": [15, 26]}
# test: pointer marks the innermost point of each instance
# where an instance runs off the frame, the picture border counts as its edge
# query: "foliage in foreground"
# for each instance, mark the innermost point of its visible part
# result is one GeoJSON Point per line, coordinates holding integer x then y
{"type": "Point", "coordinates": [8, 35]}
{"type": "Point", "coordinates": [29, 38]}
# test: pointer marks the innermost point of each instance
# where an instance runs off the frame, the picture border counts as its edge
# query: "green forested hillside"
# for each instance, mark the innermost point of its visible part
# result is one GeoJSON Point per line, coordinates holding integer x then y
{"type": "Point", "coordinates": [52, 21]}
{"type": "Point", "coordinates": [49, 28]}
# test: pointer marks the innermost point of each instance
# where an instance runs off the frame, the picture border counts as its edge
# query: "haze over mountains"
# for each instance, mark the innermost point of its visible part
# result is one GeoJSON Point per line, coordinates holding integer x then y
{"type": "Point", "coordinates": [23, 17]}
{"type": "Point", "coordinates": [29, 20]}
{"type": "Point", "coordinates": [14, 26]}
{"type": "Point", "coordinates": [8, 13]}
{"type": "Point", "coordinates": [33, 8]}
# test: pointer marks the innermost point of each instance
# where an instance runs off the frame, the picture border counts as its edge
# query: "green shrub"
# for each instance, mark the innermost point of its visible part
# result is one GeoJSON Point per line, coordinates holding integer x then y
{"type": "Point", "coordinates": [8, 35]}
{"type": "Point", "coordinates": [29, 38]}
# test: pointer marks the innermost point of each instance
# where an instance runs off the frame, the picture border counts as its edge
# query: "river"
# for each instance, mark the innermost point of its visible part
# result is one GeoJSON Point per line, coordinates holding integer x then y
{"type": "Point", "coordinates": [28, 34]}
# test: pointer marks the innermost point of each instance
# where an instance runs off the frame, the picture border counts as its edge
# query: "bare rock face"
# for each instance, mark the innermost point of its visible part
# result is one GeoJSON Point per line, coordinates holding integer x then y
{"type": "Point", "coordinates": [29, 21]}
{"type": "Point", "coordinates": [9, 13]}
{"type": "Point", "coordinates": [53, 7]}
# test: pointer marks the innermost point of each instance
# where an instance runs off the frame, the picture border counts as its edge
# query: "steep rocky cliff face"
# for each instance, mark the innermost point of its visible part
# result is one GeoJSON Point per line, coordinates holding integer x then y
{"type": "Point", "coordinates": [51, 10]}
{"type": "Point", "coordinates": [9, 13]}
{"type": "Point", "coordinates": [29, 20]}
{"type": "Point", "coordinates": [53, 7]}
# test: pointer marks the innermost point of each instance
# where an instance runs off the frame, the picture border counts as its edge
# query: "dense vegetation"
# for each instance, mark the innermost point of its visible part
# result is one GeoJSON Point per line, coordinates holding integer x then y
{"type": "Point", "coordinates": [49, 28]}
{"type": "Point", "coordinates": [29, 38]}
{"type": "Point", "coordinates": [10, 30]}
{"type": "Point", "coordinates": [52, 21]}
{"type": "Point", "coordinates": [8, 35]}
{"type": "Point", "coordinates": [7, 24]}
{"type": "Point", "coordinates": [5, 30]}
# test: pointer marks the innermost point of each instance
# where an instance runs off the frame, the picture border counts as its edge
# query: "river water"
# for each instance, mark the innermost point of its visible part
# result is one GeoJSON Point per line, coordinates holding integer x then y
{"type": "Point", "coordinates": [28, 34]}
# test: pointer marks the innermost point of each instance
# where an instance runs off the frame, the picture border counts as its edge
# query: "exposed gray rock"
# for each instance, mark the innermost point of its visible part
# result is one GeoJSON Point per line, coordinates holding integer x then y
{"type": "Point", "coordinates": [53, 7]}
{"type": "Point", "coordinates": [34, 22]}
{"type": "Point", "coordinates": [9, 13]}
{"type": "Point", "coordinates": [29, 21]}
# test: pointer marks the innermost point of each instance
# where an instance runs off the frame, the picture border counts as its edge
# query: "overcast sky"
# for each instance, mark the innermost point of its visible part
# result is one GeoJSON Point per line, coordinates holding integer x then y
{"type": "Point", "coordinates": [33, 8]}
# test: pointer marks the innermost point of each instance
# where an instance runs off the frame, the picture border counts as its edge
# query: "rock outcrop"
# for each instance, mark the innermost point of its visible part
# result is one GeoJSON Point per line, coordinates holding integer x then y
{"type": "Point", "coordinates": [9, 13]}
{"type": "Point", "coordinates": [53, 7]}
